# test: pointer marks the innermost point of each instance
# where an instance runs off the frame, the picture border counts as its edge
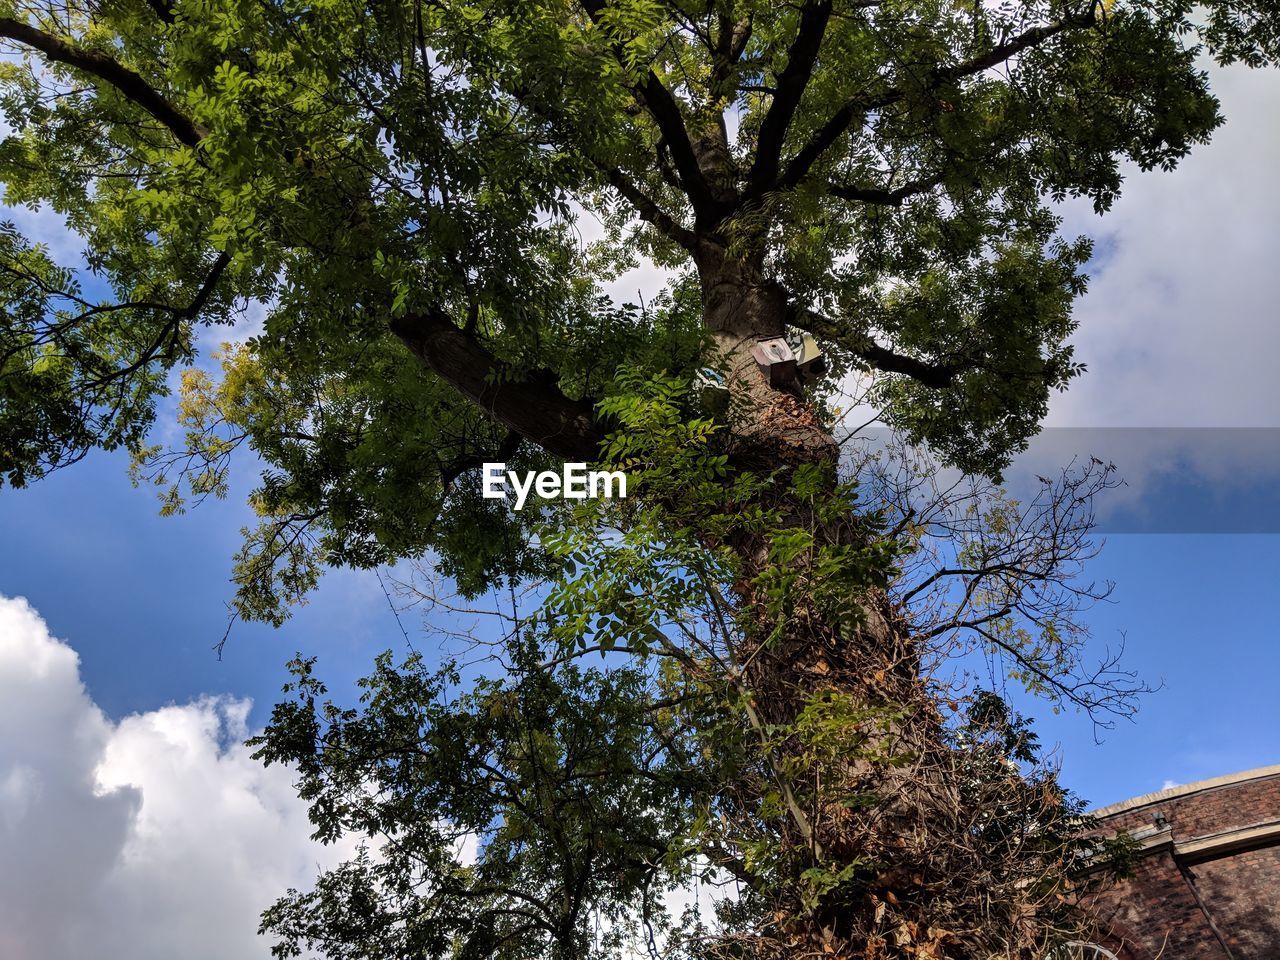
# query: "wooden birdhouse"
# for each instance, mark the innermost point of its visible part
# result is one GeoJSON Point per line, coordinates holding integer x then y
{"type": "Point", "coordinates": [776, 360]}
{"type": "Point", "coordinates": [812, 362]}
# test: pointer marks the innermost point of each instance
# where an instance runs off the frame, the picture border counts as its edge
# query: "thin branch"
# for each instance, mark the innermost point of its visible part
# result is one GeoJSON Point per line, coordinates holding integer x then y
{"type": "Point", "coordinates": [826, 135]}
{"type": "Point", "coordinates": [169, 333]}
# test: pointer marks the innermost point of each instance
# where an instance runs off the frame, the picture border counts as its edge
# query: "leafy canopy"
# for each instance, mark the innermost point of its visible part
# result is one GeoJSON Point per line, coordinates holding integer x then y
{"type": "Point", "coordinates": [413, 174]}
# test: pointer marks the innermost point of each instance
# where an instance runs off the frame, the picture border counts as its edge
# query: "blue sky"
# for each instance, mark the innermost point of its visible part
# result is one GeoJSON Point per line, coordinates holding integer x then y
{"type": "Point", "coordinates": [1195, 612]}
{"type": "Point", "coordinates": [141, 598]}
{"type": "Point", "coordinates": [136, 740]}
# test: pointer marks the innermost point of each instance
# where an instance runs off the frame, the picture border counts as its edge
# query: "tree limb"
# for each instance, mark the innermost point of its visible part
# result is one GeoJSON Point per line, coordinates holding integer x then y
{"type": "Point", "coordinates": [169, 332]}
{"type": "Point", "coordinates": [878, 196]}
{"type": "Point", "coordinates": [789, 88]}
{"type": "Point", "coordinates": [649, 209]}
{"type": "Point", "coordinates": [873, 354]}
{"type": "Point", "coordinates": [531, 404]}
{"type": "Point", "coordinates": [662, 106]}
{"type": "Point", "coordinates": [128, 83]}
{"type": "Point", "coordinates": [731, 42]}
{"type": "Point", "coordinates": [826, 135]}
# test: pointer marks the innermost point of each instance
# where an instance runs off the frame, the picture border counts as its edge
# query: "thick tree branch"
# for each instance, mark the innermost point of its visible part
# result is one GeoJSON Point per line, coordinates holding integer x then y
{"type": "Point", "coordinates": [825, 136]}
{"type": "Point", "coordinates": [878, 196]}
{"type": "Point", "coordinates": [873, 354]}
{"type": "Point", "coordinates": [1005, 51]}
{"type": "Point", "coordinates": [661, 105]}
{"type": "Point", "coordinates": [531, 405]}
{"type": "Point", "coordinates": [128, 83]}
{"type": "Point", "coordinates": [731, 42]}
{"type": "Point", "coordinates": [788, 90]}
{"type": "Point", "coordinates": [831, 131]}
{"type": "Point", "coordinates": [887, 361]}
{"type": "Point", "coordinates": [649, 209]}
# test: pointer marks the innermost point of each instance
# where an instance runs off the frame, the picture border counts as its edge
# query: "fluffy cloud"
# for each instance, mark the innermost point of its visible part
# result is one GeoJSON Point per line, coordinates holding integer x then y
{"type": "Point", "coordinates": [155, 837]}
{"type": "Point", "coordinates": [1178, 330]}
{"type": "Point", "coordinates": [1178, 327]}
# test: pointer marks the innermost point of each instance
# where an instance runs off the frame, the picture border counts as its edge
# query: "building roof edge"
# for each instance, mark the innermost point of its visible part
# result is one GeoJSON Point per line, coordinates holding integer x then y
{"type": "Point", "coordinates": [1187, 789]}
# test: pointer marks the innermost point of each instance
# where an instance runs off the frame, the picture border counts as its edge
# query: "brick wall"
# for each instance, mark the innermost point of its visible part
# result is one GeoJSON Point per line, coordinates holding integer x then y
{"type": "Point", "coordinates": [1207, 885]}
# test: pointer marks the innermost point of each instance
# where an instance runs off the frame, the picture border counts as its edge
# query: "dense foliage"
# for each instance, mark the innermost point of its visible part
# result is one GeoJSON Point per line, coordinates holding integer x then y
{"type": "Point", "coordinates": [887, 164]}
{"type": "Point", "coordinates": [660, 800]}
{"type": "Point", "coordinates": [395, 190]}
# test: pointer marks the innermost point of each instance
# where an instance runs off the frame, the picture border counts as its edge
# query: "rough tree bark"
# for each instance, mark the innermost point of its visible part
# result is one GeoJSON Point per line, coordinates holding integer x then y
{"type": "Point", "coordinates": [871, 661]}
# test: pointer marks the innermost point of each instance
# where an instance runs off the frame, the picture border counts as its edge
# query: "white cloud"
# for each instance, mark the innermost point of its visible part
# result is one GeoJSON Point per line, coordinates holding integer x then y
{"type": "Point", "coordinates": [1178, 327]}
{"type": "Point", "coordinates": [151, 838]}
{"type": "Point", "coordinates": [1179, 330]}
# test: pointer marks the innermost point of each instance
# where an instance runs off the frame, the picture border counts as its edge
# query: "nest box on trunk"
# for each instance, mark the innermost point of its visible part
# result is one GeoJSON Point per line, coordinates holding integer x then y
{"type": "Point", "coordinates": [780, 364]}
{"type": "Point", "coordinates": [811, 362]}
{"type": "Point", "coordinates": [776, 360]}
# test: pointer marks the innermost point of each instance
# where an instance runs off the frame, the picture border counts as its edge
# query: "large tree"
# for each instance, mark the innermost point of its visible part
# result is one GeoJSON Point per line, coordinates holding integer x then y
{"type": "Point", "coordinates": [397, 184]}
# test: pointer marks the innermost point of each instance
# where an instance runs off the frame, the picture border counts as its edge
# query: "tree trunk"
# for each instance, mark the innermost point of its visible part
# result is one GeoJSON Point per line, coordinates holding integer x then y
{"type": "Point", "coordinates": [771, 428]}
{"type": "Point", "coordinates": [868, 660]}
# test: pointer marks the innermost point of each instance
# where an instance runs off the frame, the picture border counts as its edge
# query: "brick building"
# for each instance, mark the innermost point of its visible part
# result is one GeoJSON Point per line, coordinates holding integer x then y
{"type": "Point", "coordinates": [1207, 884]}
